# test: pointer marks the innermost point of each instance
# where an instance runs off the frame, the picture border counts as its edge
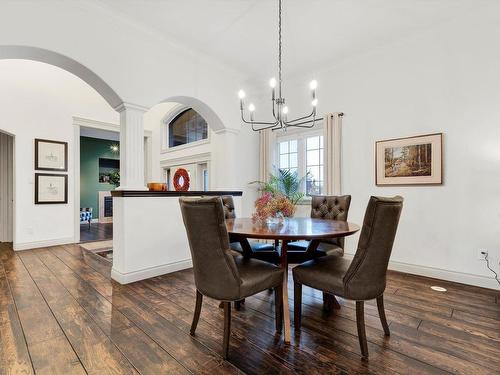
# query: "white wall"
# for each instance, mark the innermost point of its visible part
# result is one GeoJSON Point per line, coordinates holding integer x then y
{"type": "Point", "coordinates": [38, 101]}
{"type": "Point", "coordinates": [444, 80]}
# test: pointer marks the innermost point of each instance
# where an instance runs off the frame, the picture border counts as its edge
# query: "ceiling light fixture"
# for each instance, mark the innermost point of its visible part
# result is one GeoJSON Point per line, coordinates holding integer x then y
{"type": "Point", "coordinates": [280, 110]}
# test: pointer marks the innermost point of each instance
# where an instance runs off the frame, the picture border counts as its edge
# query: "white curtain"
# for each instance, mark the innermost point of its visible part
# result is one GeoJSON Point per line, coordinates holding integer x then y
{"type": "Point", "coordinates": [333, 152]}
{"type": "Point", "coordinates": [266, 141]}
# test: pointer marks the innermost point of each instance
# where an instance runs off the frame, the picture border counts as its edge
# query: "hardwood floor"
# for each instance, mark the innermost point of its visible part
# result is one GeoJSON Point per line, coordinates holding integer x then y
{"type": "Point", "coordinates": [61, 314]}
{"type": "Point", "coordinates": [96, 232]}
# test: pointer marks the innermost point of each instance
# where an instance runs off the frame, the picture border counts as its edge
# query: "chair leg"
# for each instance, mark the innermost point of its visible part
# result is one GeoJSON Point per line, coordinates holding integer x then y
{"type": "Point", "coordinates": [197, 310]}
{"type": "Point", "coordinates": [360, 321]}
{"type": "Point", "coordinates": [227, 329]}
{"type": "Point", "coordinates": [381, 314]}
{"type": "Point", "coordinates": [330, 302]}
{"type": "Point", "coordinates": [297, 308]}
{"type": "Point", "coordinates": [278, 308]}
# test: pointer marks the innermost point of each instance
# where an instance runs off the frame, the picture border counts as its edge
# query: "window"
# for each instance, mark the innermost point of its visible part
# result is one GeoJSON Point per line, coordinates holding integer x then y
{"type": "Point", "coordinates": [188, 126]}
{"type": "Point", "coordinates": [288, 155]}
{"type": "Point", "coordinates": [304, 154]}
{"type": "Point", "coordinates": [314, 165]}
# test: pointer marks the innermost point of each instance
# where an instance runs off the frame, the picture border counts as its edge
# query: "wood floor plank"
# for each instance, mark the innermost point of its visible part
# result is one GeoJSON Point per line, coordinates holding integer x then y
{"type": "Point", "coordinates": [109, 319]}
{"type": "Point", "coordinates": [245, 355]}
{"type": "Point", "coordinates": [94, 349]}
{"type": "Point", "coordinates": [489, 309]}
{"type": "Point", "coordinates": [339, 347]}
{"type": "Point", "coordinates": [55, 357]}
{"type": "Point", "coordinates": [84, 271]}
{"type": "Point", "coordinates": [191, 354]}
{"type": "Point", "coordinates": [198, 354]}
{"type": "Point", "coordinates": [142, 351]}
{"type": "Point", "coordinates": [479, 355]}
{"type": "Point", "coordinates": [477, 320]}
{"type": "Point", "coordinates": [36, 318]}
{"type": "Point", "coordinates": [146, 355]}
{"type": "Point", "coordinates": [14, 356]}
{"type": "Point", "coordinates": [77, 320]}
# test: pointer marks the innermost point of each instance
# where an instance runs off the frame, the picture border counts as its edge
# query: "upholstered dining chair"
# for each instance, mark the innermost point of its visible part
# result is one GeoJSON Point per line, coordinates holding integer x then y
{"type": "Point", "coordinates": [253, 249]}
{"type": "Point", "coordinates": [219, 274]}
{"type": "Point", "coordinates": [328, 208]}
{"type": "Point", "coordinates": [364, 277]}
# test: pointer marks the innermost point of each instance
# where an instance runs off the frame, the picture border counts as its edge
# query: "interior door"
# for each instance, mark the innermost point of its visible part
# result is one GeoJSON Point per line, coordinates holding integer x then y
{"type": "Point", "coordinates": [6, 187]}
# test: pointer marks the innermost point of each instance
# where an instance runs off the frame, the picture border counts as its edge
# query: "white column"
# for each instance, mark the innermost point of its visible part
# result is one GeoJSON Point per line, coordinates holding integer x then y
{"type": "Point", "coordinates": [131, 146]}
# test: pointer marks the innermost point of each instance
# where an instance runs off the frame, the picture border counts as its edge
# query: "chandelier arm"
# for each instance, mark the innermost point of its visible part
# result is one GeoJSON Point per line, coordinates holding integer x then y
{"type": "Point", "coordinates": [257, 122]}
{"type": "Point", "coordinates": [300, 124]}
{"type": "Point", "coordinates": [277, 127]}
{"type": "Point", "coordinates": [264, 127]}
{"type": "Point", "coordinates": [301, 118]}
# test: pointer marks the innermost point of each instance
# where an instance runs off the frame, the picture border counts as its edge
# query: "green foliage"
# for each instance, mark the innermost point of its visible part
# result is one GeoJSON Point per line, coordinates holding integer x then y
{"type": "Point", "coordinates": [283, 182]}
{"type": "Point", "coordinates": [114, 178]}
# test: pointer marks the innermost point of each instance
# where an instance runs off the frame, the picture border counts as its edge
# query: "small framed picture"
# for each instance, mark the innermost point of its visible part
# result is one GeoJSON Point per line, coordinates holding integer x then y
{"type": "Point", "coordinates": [51, 155]}
{"type": "Point", "coordinates": [410, 161]}
{"type": "Point", "coordinates": [51, 188]}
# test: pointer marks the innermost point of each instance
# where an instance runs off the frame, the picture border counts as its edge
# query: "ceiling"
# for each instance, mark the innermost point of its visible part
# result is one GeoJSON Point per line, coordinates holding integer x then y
{"type": "Point", "coordinates": [243, 33]}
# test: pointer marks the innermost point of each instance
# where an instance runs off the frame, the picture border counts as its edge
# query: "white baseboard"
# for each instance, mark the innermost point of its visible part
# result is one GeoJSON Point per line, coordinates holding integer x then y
{"type": "Point", "coordinates": [147, 273]}
{"type": "Point", "coordinates": [439, 273]}
{"type": "Point", "coordinates": [45, 243]}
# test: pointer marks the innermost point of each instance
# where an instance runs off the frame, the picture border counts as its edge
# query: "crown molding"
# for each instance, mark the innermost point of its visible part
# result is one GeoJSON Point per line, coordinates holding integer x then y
{"type": "Point", "coordinates": [125, 105]}
{"type": "Point", "coordinates": [227, 130]}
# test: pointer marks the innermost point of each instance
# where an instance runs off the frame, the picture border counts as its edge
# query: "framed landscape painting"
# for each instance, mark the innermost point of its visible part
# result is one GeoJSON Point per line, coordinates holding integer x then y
{"type": "Point", "coordinates": [51, 188]}
{"type": "Point", "coordinates": [51, 155]}
{"type": "Point", "coordinates": [410, 161]}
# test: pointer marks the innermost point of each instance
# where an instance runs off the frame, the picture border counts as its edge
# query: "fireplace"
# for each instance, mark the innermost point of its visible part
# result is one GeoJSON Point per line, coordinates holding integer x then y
{"type": "Point", "coordinates": [105, 207]}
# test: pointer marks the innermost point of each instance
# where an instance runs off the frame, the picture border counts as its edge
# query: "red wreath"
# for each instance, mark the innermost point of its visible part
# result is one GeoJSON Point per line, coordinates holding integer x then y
{"type": "Point", "coordinates": [181, 172]}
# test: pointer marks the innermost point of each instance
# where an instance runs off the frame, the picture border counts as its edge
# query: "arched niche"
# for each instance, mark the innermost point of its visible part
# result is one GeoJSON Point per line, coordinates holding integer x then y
{"type": "Point", "coordinates": [213, 120]}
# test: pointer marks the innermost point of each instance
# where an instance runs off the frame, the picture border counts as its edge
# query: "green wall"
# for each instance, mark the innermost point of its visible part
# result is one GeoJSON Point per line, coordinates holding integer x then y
{"type": "Point", "coordinates": [91, 149]}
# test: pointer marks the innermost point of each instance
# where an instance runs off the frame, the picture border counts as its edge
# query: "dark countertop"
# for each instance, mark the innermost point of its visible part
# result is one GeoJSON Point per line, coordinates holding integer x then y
{"type": "Point", "coordinates": [146, 193]}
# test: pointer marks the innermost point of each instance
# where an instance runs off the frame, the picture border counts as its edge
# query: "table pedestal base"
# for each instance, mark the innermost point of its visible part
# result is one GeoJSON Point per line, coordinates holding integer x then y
{"type": "Point", "coordinates": [286, 309]}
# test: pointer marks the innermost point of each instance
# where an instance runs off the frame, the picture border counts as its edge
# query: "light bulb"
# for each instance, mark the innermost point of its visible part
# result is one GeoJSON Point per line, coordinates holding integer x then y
{"type": "Point", "coordinates": [251, 107]}
{"type": "Point", "coordinates": [241, 94]}
{"type": "Point", "coordinates": [313, 84]}
{"type": "Point", "coordinates": [272, 82]}
{"type": "Point", "coordinates": [285, 110]}
{"type": "Point", "coordinates": [314, 102]}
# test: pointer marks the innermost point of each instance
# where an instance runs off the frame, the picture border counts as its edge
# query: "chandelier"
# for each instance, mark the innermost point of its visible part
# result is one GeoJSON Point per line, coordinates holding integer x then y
{"type": "Point", "coordinates": [280, 110]}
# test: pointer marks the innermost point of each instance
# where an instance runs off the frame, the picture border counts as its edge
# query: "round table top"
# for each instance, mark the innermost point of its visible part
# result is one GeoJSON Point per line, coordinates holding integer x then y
{"type": "Point", "coordinates": [300, 228]}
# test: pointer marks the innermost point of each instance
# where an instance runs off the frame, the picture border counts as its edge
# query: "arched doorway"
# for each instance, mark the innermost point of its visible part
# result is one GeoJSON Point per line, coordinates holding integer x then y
{"type": "Point", "coordinates": [102, 90]}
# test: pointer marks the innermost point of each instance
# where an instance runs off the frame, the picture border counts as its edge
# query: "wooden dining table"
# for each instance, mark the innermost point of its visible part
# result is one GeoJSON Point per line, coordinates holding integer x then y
{"type": "Point", "coordinates": [291, 229]}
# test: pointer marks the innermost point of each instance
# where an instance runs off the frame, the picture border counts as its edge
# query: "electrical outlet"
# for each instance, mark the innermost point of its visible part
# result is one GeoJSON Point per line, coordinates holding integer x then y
{"type": "Point", "coordinates": [481, 254]}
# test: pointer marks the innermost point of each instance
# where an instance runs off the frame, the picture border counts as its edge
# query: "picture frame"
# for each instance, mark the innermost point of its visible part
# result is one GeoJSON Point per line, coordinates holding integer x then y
{"type": "Point", "coordinates": [51, 188]}
{"type": "Point", "coordinates": [416, 160]}
{"type": "Point", "coordinates": [51, 155]}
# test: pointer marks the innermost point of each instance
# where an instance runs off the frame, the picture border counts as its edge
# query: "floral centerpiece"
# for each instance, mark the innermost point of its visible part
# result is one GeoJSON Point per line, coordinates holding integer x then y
{"type": "Point", "coordinates": [279, 197]}
{"type": "Point", "coordinates": [272, 207]}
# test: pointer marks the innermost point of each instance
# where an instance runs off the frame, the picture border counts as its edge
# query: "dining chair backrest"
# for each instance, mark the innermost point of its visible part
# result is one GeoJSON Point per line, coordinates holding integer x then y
{"type": "Point", "coordinates": [366, 276]}
{"type": "Point", "coordinates": [215, 271]}
{"type": "Point", "coordinates": [331, 208]}
{"type": "Point", "coordinates": [228, 203]}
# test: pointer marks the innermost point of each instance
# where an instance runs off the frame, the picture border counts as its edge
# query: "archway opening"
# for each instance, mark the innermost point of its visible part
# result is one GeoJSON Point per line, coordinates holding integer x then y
{"type": "Point", "coordinates": [38, 106]}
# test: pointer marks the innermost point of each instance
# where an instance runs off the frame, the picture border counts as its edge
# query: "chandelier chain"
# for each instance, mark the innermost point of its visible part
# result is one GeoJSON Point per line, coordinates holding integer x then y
{"type": "Point", "coordinates": [280, 4]}
{"type": "Point", "coordinates": [279, 109]}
